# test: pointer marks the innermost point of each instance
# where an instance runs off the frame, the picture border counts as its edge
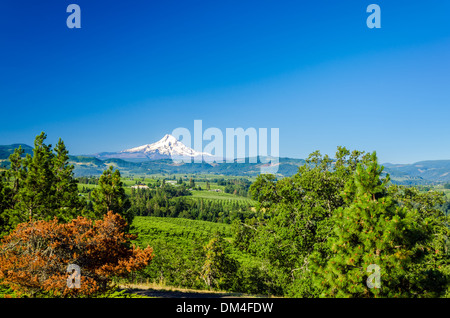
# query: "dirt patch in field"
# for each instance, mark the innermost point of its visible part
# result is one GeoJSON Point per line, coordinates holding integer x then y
{"type": "Point", "coordinates": [179, 294]}
{"type": "Point", "coordinates": [159, 292]}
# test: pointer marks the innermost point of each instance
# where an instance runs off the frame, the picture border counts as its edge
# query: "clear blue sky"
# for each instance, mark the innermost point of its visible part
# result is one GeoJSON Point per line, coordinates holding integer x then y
{"type": "Point", "coordinates": [138, 69]}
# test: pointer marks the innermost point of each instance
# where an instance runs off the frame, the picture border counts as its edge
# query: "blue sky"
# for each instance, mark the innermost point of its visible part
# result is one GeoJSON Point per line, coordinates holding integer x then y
{"type": "Point", "coordinates": [136, 70]}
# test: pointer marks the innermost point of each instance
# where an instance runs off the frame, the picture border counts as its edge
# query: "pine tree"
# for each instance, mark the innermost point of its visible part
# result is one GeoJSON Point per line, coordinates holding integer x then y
{"type": "Point", "coordinates": [110, 195]}
{"type": "Point", "coordinates": [3, 205]}
{"type": "Point", "coordinates": [373, 231]}
{"type": "Point", "coordinates": [219, 269]}
{"type": "Point", "coordinates": [65, 186]}
{"type": "Point", "coordinates": [432, 274]}
{"type": "Point", "coordinates": [42, 185]}
{"type": "Point", "coordinates": [16, 172]}
{"type": "Point", "coordinates": [35, 197]}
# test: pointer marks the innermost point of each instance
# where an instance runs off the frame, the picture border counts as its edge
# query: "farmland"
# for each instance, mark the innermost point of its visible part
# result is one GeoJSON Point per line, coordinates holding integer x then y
{"type": "Point", "coordinates": [260, 236]}
{"type": "Point", "coordinates": [180, 254]}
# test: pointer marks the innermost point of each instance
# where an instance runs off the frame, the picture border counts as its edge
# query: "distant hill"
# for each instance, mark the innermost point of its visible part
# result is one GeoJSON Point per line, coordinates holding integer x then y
{"type": "Point", "coordinates": [89, 165]}
{"type": "Point", "coordinates": [94, 166]}
{"type": "Point", "coordinates": [420, 172]}
{"type": "Point", "coordinates": [7, 150]}
{"type": "Point", "coordinates": [423, 172]}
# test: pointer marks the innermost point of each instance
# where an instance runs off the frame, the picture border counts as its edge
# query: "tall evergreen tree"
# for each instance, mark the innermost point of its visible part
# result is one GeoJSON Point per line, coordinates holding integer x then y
{"type": "Point", "coordinates": [432, 274]}
{"type": "Point", "coordinates": [372, 232]}
{"type": "Point", "coordinates": [16, 172]}
{"type": "Point", "coordinates": [219, 269]}
{"type": "Point", "coordinates": [41, 186]}
{"type": "Point", "coordinates": [295, 216]}
{"type": "Point", "coordinates": [65, 185]}
{"type": "Point", "coordinates": [3, 217]}
{"type": "Point", "coordinates": [10, 188]}
{"type": "Point", "coordinates": [110, 195]}
{"type": "Point", "coordinates": [36, 194]}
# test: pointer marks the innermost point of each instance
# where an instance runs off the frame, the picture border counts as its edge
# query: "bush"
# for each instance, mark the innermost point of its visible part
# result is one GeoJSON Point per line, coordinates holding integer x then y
{"type": "Point", "coordinates": [34, 258]}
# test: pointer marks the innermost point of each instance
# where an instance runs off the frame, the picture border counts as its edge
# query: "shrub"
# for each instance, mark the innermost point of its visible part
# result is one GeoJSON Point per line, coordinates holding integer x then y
{"type": "Point", "coordinates": [34, 258]}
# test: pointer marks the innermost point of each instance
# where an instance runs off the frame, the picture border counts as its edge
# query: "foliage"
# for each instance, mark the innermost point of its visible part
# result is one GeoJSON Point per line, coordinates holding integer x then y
{"type": "Point", "coordinates": [4, 198]}
{"type": "Point", "coordinates": [110, 195]}
{"type": "Point", "coordinates": [178, 248]}
{"type": "Point", "coordinates": [115, 292]}
{"type": "Point", "coordinates": [294, 215]}
{"type": "Point", "coordinates": [66, 190]}
{"type": "Point", "coordinates": [180, 256]}
{"type": "Point", "coordinates": [7, 292]}
{"type": "Point", "coordinates": [433, 272]}
{"type": "Point", "coordinates": [321, 228]}
{"type": "Point", "coordinates": [88, 180]}
{"type": "Point", "coordinates": [39, 186]}
{"type": "Point", "coordinates": [219, 268]}
{"type": "Point", "coordinates": [236, 186]}
{"type": "Point", "coordinates": [312, 234]}
{"type": "Point", "coordinates": [175, 265]}
{"type": "Point", "coordinates": [170, 201]}
{"type": "Point", "coordinates": [372, 229]}
{"type": "Point", "coordinates": [34, 258]}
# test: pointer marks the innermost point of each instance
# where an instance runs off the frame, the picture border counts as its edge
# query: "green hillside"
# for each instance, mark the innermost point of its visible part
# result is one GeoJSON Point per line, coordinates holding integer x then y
{"type": "Point", "coordinates": [180, 255]}
{"type": "Point", "coordinates": [419, 173]}
{"type": "Point", "coordinates": [85, 166]}
{"type": "Point", "coordinates": [6, 150]}
{"type": "Point", "coordinates": [178, 231]}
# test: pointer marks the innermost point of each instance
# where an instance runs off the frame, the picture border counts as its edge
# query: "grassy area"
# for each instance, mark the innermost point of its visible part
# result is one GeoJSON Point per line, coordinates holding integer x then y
{"type": "Point", "coordinates": [158, 290]}
{"type": "Point", "coordinates": [176, 230]}
{"type": "Point", "coordinates": [219, 196]}
{"type": "Point", "coordinates": [86, 186]}
{"type": "Point", "coordinates": [129, 181]}
{"type": "Point", "coordinates": [182, 232]}
{"type": "Point", "coordinates": [440, 188]}
{"type": "Point", "coordinates": [82, 187]}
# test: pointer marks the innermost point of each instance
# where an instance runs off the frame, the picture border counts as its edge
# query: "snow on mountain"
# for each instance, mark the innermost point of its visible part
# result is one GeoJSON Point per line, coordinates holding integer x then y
{"type": "Point", "coordinates": [166, 148]}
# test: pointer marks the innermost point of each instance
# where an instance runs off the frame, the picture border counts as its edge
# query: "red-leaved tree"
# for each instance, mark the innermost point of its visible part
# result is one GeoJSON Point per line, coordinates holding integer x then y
{"type": "Point", "coordinates": [34, 258]}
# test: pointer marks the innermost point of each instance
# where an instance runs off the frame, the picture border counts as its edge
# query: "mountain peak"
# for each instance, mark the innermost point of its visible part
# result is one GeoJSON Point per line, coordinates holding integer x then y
{"type": "Point", "coordinates": [167, 147]}
{"type": "Point", "coordinates": [169, 138]}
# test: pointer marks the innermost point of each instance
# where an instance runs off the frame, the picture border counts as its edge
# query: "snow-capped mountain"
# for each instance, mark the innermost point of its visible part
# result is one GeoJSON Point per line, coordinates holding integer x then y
{"type": "Point", "coordinates": [166, 148]}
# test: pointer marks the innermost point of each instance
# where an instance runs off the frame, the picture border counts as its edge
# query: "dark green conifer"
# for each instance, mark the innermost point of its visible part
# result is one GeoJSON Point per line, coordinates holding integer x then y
{"type": "Point", "coordinates": [372, 231]}
{"type": "Point", "coordinates": [65, 185]}
{"type": "Point", "coordinates": [35, 197]}
{"type": "Point", "coordinates": [110, 195]}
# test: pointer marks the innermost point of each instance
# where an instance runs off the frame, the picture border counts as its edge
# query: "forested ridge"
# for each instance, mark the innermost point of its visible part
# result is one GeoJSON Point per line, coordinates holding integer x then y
{"type": "Point", "coordinates": [322, 232]}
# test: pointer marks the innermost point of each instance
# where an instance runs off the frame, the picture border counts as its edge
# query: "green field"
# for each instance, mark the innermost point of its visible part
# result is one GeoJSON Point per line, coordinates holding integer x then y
{"type": "Point", "coordinates": [179, 254]}
{"type": "Point", "coordinates": [129, 181]}
{"type": "Point", "coordinates": [176, 230]}
{"type": "Point", "coordinates": [87, 186]}
{"type": "Point", "coordinates": [440, 188]}
{"type": "Point", "coordinates": [182, 233]}
{"type": "Point", "coordinates": [219, 196]}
